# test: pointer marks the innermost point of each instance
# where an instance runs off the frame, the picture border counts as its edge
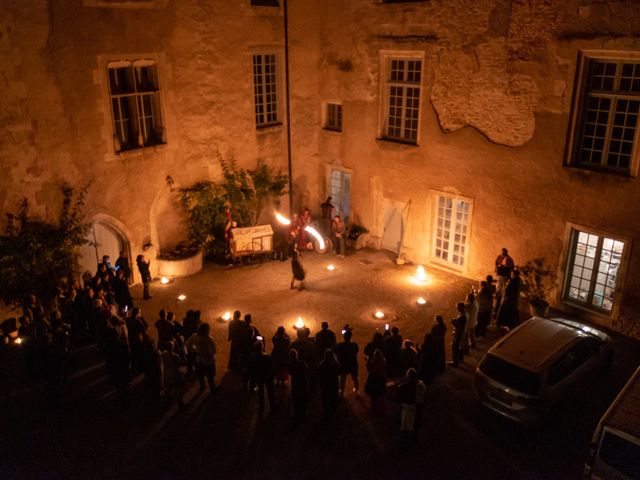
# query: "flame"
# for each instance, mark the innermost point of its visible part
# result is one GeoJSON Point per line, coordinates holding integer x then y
{"type": "Point", "coordinates": [282, 219]}
{"type": "Point", "coordinates": [378, 314]}
{"type": "Point", "coordinates": [386, 326]}
{"type": "Point", "coordinates": [330, 267]}
{"type": "Point", "coordinates": [421, 301]}
{"type": "Point", "coordinates": [182, 296]}
{"type": "Point", "coordinates": [421, 276]}
{"type": "Point", "coordinates": [315, 233]}
{"type": "Point", "coordinates": [164, 280]}
{"type": "Point", "coordinates": [18, 341]}
{"type": "Point", "coordinates": [299, 323]}
{"type": "Point", "coordinates": [226, 316]}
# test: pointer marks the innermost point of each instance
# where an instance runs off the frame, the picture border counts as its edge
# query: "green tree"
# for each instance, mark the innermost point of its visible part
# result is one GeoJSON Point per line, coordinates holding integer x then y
{"type": "Point", "coordinates": [36, 253]}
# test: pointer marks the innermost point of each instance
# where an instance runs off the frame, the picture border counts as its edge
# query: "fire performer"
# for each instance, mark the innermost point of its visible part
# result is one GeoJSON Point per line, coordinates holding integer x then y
{"type": "Point", "coordinates": [298, 270]}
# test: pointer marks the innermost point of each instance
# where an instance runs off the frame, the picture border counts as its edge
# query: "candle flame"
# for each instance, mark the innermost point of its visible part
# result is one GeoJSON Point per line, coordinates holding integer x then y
{"type": "Point", "coordinates": [282, 219]}
{"type": "Point", "coordinates": [226, 316]}
{"type": "Point", "coordinates": [421, 276]}
{"type": "Point", "coordinates": [299, 323]}
{"type": "Point", "coordinates": [182, 296]}
{"type": "Point", "coordinates": [315, 233]}
{"type": "Point", "coordinates": [18, 341]}
{"type": "Point", "coordinates": [164, 280]}
{"type": "Point", "coordinates": [421, 301]}
{"type": "Point", "coordinates": [331, 267]}
{"type": "Point", "coordinates": [378, 314]}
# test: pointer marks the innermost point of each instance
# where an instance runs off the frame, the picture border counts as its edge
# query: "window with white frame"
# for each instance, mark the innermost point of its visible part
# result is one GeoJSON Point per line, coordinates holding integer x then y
{"type": "Point", "coordinates": [452, 230]}
{"type": "Point", "coordinates": [606, 132]}
{"type": "Point", "coordinates": [402, 99]}
{"type": "Point", "coordinates": [593, 269]}
{"type": "Point", "coordinates": [266, 89]}
{"type": "Point", "coordinates": [333, 117]}
{"type": "Point", "coordinates": [135, 104]}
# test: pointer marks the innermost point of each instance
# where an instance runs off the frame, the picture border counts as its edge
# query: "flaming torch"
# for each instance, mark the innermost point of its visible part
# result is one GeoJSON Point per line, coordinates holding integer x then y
{"type": "Point", "coordinates": [282, 219]}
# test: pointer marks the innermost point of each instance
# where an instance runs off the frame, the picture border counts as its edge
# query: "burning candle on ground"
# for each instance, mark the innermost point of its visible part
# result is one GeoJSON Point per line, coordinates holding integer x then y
{"type": "Point", "coordinates": [182, 297]}
{"type": "Point", "coordinates": [330, 267]}
{"type": "Point", "coordinates": [379, 314]}
{"type": "Point", "coordinates": [421, 301]}
{"type": "Point", "coordinates": [164, 280]}
{"type": "Point", "coordinates": [421, 275]}
{"type": "Point", "coordinates": [299, 323]}
{"type": "Point", "coordinates": [226, 316]}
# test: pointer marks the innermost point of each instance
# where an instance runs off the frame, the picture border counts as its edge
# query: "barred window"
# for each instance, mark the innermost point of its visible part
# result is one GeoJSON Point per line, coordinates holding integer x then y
{"type": "Point", "coordinates": [608, 116]}
{"type": "Point", "coordinates": [402, 99]}
{"type": "Point", "coordinates": [135, 105]}
{"type": "Point", "coordinates": [266, 90]}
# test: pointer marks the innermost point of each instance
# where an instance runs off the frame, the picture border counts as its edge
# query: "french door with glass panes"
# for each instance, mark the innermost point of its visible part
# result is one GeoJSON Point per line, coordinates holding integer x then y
{"type": "Point", "coordinates": [593, 270]}
{"type": "Point", "coordinates": [452, 231]}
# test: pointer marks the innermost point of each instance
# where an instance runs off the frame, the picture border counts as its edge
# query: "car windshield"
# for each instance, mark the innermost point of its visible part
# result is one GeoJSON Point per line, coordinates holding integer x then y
{"type": "Point", "coordinates": [511, 375]}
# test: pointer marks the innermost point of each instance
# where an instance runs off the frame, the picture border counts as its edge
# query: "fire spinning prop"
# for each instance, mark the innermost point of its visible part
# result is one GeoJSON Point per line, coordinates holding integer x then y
{"type": "Point", "coordinates": [309, 229]}
{"type": "Point", "coordinates": [226, 316]}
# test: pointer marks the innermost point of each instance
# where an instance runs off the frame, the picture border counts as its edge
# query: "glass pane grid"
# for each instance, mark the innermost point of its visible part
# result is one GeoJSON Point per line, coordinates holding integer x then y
{"type": "Point", "coordinates": [265, 89]}
{"type": "Point", "coordinates": [452, 224]}
{"type": "Point", "coordinates": [334, 117]}
{"type": "Point", "coordinates": [403, 99]}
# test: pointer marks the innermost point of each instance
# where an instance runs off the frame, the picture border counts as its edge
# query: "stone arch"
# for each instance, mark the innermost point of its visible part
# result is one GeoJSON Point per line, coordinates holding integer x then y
{"type": "Point", "coordinates": [108, 236]}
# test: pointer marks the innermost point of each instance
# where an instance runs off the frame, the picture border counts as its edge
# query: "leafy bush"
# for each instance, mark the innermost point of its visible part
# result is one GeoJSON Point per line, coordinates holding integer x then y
{"type": "Point", "coordinates": [537, 279]}
{"type": "Point", "coordinates": [245, 191]}
{"type": "Point", "coordinates": [355, 231]}
{"type": "Point", "coordinates": [35, 253]}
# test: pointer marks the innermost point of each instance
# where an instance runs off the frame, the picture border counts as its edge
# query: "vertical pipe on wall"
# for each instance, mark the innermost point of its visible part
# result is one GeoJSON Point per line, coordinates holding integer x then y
{"type": "Point", "coordinates": [288, 112]}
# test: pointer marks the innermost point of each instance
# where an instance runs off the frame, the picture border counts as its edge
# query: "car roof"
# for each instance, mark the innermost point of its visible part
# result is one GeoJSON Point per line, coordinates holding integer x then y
{"type": "Point", "coordinates": [538, 340]}
{"type": "Point", "coordinates": [624, 413]}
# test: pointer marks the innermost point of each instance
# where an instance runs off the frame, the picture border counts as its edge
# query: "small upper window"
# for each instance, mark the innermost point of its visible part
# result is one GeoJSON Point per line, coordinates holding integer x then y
{"type": "Point", "coordinates": [606, 126]}
{"type": "Point", "coordinates": [265, 3]}
{"type": "Point", "coordinates": [135, 104]}
{"type": "Point", "coordinates": [333, 117]}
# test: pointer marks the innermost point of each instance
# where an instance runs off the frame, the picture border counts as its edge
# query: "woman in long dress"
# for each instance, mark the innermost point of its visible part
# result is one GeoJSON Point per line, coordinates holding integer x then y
{"type": "Point", "coordinates": [297, 269]}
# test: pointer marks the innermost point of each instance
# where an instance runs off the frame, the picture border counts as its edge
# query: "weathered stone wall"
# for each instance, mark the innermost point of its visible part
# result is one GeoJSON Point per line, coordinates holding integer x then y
{"type": "Point", "coordinates": [498, 80]}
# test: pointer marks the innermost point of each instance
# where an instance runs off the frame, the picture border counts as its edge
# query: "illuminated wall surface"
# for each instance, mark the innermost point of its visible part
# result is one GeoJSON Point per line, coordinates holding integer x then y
{"type": "Point", "coordinates": [466, 126]}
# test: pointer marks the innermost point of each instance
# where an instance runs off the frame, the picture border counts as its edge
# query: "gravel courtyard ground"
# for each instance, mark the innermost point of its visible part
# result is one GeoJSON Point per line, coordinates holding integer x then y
{"type": "Point", "coordinates": [96, 433]}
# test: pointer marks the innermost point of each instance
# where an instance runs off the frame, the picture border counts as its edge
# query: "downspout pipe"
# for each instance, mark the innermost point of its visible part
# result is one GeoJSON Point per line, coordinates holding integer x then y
{"type": "Point", "coordinates": [288, 111]}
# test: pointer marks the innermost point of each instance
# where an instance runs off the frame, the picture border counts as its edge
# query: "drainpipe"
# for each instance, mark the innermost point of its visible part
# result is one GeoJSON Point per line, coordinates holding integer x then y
{"type": "Point", "coordinates": [288, 111]}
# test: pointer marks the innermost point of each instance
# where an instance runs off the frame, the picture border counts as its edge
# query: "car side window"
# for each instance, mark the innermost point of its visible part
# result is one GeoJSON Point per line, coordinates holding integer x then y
{"type": "Point", "coordinates": [577, 355]}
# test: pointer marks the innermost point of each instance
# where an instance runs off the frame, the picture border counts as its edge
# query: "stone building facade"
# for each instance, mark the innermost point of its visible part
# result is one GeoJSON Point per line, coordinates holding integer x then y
{"type": "Point", "coordinates": [448, 128]}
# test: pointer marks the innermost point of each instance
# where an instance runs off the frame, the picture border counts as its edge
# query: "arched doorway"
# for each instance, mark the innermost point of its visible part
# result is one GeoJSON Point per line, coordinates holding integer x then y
{"type": "Point", "coordinates": [104, 239]}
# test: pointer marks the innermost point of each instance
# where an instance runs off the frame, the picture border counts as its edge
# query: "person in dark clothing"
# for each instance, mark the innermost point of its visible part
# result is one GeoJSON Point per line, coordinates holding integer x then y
{"type": "Point", "coordinates": [297, 269]}
{"type": "Point", "coordinates": [138, 330]}
{"type": "Point", "coordinates": [235, 337]}
{"type": "Point", "coordinates": [376, 343]}
{"type": "Point", "coordinates": [121, 291]}
{"type": "Point", "coordinates": [485, 304]}
{"type": "Point", "coordinates": [299, 385]}
{"type": "Point", "coordinates": [145, 275]}
{"type": "Point", "coordinates": [325, 338]}
{"type": "Point", "coordinates": [328, 378]}
{"type": "Point", "coordinates": [430, 353]}
{"type": "Point", "coordinates": [58, 355]}
{"type": "Point", "coordinates": [393, 353]}
{"type": "Point", "coordinates": [189, 327]}
{"type": "Point", "coordinates": [306, 348]}
{"type": "Point", "coordinates": [261, 375]}
{"type": "Point", "coordinates": [508, 314]}
{"type": "Point", "coordinates": [504, 266]}
{"type": "Point", "coordinates": [439, 331]}
{"type": "Point", "coordinates": [164, 327]}
{"type": "Point", "coordinates": [409, 356]}
{"type": "Point", "coordinates": [376, 385]}
{"type": "Point", "coordinates": [122, 265]}
{"type": "Point", "coordinates": [117, 350]}
{"type": "Point", "coordinates": [280, 354]}
{"type": "Point", "coordinates": [347, 354]}
{"type": "Point", "coordinates": [458, 324]}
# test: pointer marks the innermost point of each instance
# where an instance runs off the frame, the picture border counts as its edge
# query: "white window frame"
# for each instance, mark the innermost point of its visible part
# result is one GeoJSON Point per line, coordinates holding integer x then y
{"type": "Point", "coordinates": [263, 94]}
{"type": "Point", "coordinates": [327, 117]}
{"type": "Point", "coordinates": [578, 114]}
{"type": "Point", "coordinates": [386, 57]}
{"type": "Point", "coordinates": [137, 113]}
{"type": "Point", "coordinates": [570, 249]}
{"type": "Point", "coordinates": [329, 168]}
{"type": "Point", "coordinates": [433, 257]}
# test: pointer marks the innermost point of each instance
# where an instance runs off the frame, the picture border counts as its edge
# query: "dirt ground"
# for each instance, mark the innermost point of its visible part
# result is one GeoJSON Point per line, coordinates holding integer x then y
{"type": "Point", "coordinates": [360, 285]}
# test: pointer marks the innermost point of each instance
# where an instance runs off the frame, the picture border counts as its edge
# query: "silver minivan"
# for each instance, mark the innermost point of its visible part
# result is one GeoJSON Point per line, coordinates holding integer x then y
{"type": "Point", "coordinates": [538, 364]}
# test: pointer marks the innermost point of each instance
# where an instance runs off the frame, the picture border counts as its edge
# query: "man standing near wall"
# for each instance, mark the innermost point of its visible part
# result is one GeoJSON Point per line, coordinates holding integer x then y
{"type": "Point", "coordinates": [504, 267]}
